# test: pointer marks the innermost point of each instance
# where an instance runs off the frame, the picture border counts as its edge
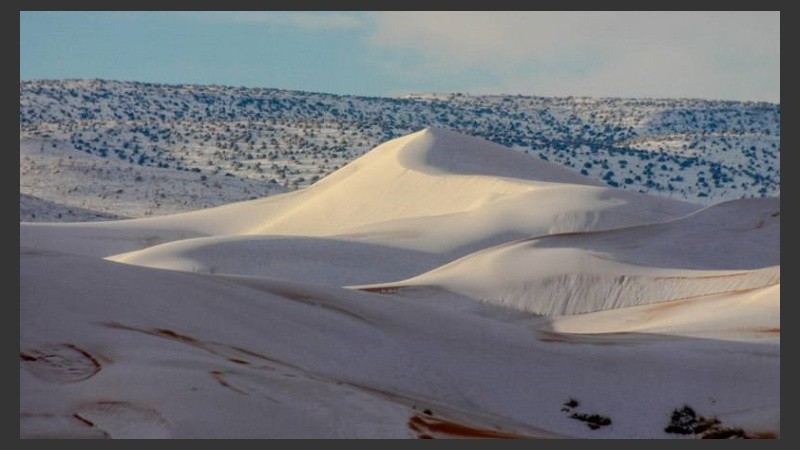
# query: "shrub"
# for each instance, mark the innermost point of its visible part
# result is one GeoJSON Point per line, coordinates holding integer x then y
{"type": "Point", "coordinates": [593, 421]}
{"type": "Point", "coordinates": [682, 421]}
{"type": "Point", "coordinates": [686, 421]}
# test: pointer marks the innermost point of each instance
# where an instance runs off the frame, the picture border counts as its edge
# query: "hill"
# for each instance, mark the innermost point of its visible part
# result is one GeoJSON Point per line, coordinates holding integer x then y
{"type": "Point", "coordinates": [226, 139]}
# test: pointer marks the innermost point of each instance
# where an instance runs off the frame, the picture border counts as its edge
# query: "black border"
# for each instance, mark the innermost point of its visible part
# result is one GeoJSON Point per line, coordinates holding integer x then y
{"type": "Point", "coordinates": [787, 433]}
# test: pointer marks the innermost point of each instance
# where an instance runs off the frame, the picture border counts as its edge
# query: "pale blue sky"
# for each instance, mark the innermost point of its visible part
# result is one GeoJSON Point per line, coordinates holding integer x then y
{"type": "Point", "coordinates": [707, 55]}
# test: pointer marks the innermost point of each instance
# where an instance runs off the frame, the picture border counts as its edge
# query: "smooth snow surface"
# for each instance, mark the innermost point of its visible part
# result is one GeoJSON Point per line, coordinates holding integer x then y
{"type": "Point", "coordinates": [729, 247]}
{"type": "Point", "coordinates": [524, 285]}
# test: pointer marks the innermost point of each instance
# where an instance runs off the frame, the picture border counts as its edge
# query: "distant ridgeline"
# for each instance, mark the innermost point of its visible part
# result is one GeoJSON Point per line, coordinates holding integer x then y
{"type": "Point", "coordinates": [703, 151]}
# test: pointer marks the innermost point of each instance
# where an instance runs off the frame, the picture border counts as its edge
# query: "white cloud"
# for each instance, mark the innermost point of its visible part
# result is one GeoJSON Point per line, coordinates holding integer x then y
{"type": "Point", "coordinates": [310, 20]}
{"type": "Point", "coordinates": [732, 55]}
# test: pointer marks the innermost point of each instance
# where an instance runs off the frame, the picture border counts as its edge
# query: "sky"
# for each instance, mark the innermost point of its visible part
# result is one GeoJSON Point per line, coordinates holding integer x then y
{"type": "Point", "coordinates": [714, 55]}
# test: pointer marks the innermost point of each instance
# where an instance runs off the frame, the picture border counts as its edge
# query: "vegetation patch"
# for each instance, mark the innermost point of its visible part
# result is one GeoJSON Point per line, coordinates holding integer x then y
{"type": "Point", "coordinates": [686, 421]}
{"type": "Point", "coordinates": [593, 421]}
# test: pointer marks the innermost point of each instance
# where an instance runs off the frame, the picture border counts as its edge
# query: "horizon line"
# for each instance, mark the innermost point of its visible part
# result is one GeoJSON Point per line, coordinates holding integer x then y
{"type": "Point", "coordinates": [399, 96]}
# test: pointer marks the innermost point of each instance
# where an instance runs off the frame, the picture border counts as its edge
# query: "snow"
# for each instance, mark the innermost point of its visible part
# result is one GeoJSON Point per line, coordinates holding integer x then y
{"type": "Point", "coordinates": [35, 209]}
{"type": "Point", "coordinates": [246, 320]}
{"type": "Point", "coordinates": [723, 248]}
{"type": "Point", "coordinates": [748, 315]}
{"type": "Point", "coordinates": [109, 188]}
{"type": "Point", "coordinates": [176, 148]}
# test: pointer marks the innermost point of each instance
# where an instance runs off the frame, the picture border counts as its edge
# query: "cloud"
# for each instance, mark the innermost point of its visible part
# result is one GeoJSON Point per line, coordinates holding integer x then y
{"type": "Point", "coordinates": [732, 55]}
{"type": "Point", "coordinates": [311, 20]}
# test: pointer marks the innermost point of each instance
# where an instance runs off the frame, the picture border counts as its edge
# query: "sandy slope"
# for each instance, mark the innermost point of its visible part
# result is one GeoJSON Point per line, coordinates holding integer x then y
{"type": "Point", "coordinates": [752, 314]}
{"type": "Point", "coordinates": [305, 259]}
{"type": "Point", "coordinates": [433, 190]}
{"type": "Point", "coordinates": [431, 194]}
{"type": "Point", "coordinates": [183, 355]}
{"type": "Point", "coordinates": [728, 247]}
{"type": "Point", "coordinates": [251, 333]}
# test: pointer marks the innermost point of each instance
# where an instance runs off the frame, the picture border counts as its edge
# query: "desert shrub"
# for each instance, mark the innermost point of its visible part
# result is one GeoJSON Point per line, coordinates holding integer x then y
{"type": "Point", "coordinates": [682, 421]}
{"type": "Point", "coordinates": [686, 421]}
{"type": "Point", "coordinates": [593, 421]}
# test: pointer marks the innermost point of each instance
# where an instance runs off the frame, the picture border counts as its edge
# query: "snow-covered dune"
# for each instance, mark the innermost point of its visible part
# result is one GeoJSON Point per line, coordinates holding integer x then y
{"type": "Point", "coordinates": [434, 174]}
{"type": "Point", "coordinates": [729, 247]}
{"type": "Point", "coordinates": [752, 314]}
{"type": "Point", "coordinates": [433, 191]}
{"type": "Point", "coordinates": [267, 318]}
{"type": "Point", "coordinates": [304, 259]}
{"type": "Point", "coordinates": [112, 350]}
{"type": "Point", "coordinates": [436, 193]}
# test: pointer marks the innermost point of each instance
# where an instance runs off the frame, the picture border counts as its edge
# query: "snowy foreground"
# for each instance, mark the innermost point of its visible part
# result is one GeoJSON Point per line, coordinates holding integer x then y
{"type": "Point", "coordinates": [439, 286]}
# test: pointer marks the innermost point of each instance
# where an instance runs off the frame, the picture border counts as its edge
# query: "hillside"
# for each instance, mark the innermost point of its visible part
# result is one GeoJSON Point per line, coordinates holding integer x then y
{"type": "Point", "coordinates": [268, 140]}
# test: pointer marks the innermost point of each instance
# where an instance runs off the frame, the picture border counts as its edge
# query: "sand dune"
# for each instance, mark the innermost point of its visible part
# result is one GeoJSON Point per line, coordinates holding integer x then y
{"type": "Point", "coordinates": [433, 190]}
{"type": "Point", "coordinates": [269, 318]}
{"type": "Point", "coordinates": [431, 193]}
{"type": "Point", "coordinates": [185, 355]}
{"type": "Point", "coordinates": [728, 247]}
{"type": "Point", "coordinates": [419, 243]}
{"type": "Point", "coordinates": [305, 259]}
{"type": "Point", "coordinates": [751, 314]}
